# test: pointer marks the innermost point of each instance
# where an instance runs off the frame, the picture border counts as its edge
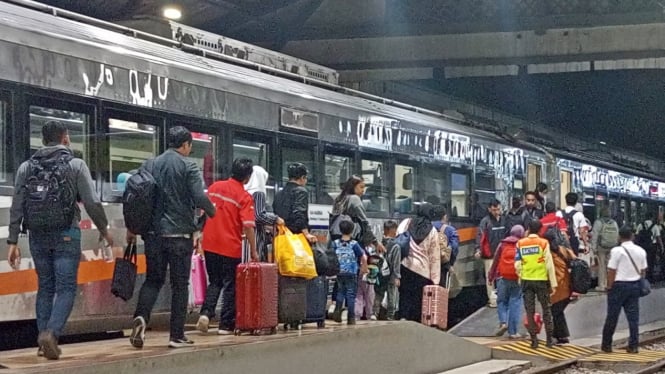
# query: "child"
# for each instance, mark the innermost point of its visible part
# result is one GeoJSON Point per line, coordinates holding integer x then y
{"type": "Point", "coordinates": [350, 254]}
{"type": "Point", "coordinates": [389, 282]}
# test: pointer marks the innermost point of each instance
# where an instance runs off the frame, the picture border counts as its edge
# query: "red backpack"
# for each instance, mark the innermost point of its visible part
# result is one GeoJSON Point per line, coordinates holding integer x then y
{"type": "Point", "coordinates": [506, 266]}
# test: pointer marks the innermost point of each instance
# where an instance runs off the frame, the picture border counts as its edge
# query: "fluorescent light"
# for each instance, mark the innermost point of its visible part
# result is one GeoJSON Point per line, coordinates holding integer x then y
{"type": "Point", "coordinates": [603, 143]}
{"type": "Point", "coordinates": [172, 12]}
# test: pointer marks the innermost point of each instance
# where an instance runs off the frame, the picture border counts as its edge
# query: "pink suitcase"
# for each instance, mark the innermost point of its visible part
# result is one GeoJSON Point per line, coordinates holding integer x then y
{"type": "Point", "coordinates": [435, 307]}
{"type": "Point", "coordinates": [199, 279]}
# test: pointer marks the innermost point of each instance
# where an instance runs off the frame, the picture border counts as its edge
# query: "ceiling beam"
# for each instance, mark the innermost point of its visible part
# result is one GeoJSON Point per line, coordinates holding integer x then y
{"type": "Point", "coordinates": [400, 74]}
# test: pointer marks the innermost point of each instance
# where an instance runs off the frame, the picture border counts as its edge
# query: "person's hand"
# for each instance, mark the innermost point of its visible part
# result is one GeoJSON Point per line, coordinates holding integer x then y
{"type": "Point", "coordinates": [380, 248]}
{"type": "Point", "coordinates": [364, 270]}
{"type": "Point", "coordinates": [198, 247]}
{"type": "Point", "coordinates": [397, 283]}
{"type": "Point", "coordinates": [311, 238]}
{"type": "Point", "coordinates": [280, 221]}
{"type": "Point", "coordinates": [130, 237]}
{"type": "Point", "coordinates": [254, 256]}
{"type": "Point", "coordinates": [477, 255]}
{"type": "Point", "coordinates": [14, 256]}
{"type": "Point", "coordinates": [108, 238]}
{"type": "Point", "coordinates": [553, 291]}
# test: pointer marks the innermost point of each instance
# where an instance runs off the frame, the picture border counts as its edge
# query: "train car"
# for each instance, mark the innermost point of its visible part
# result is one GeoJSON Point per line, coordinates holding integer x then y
{"type": "Point", "coordinates": [118, 90]}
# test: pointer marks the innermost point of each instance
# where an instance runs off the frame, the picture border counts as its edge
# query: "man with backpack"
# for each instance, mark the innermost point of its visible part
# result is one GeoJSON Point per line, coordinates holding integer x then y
{"type": "Point", "coordinates": [46, 191]}
{"type": "Point", "coordinates": [168, 245]}
{"type": "Point", "coordinates": [491, 231]}
{"type": "Point", "coordinates": [649, 238]}
{"type": "Point", "coordinates": [605, 237]}
{"type": "Point", "coordinates": [577, 226]}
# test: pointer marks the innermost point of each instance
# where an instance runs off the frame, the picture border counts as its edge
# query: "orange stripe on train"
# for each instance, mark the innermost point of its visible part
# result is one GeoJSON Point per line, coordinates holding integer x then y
{"type": "Point", "coordinates": [21, 281]}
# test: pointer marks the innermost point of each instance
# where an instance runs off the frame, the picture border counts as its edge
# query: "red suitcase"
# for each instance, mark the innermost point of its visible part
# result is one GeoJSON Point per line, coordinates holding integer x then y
{"type": "Point", "coordinates": [435, 307]}
{"type": "Point", "coordinates": [256, 297]}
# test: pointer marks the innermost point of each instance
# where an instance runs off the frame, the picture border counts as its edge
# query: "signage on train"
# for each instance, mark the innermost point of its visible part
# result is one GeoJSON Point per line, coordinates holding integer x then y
{"type": "Point", "coordinates": [590, 176]}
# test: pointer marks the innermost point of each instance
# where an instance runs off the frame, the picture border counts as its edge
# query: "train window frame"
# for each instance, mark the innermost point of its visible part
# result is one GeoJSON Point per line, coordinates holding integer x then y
{"type": "Point", "coordinates": [6, 151]}
{"type": "Point", "coordinates": [197, 128]}
{"type": "Point", "coordinates": [269, 166]}
{"type": "Point", "coordinates": [445, 171]}
{"type": "Point", "coordinates": [388, 188]}
{"type": "Point", "coordinates": [153, 118]}
{"type": "Point", "coordinates": [416, 183]}
{"type": "Point", "coordinates": [325, 197]}
{"type": "Point", "coordinates": [468, 174]}
{"type": "Point", "coordinates": [300, 143]}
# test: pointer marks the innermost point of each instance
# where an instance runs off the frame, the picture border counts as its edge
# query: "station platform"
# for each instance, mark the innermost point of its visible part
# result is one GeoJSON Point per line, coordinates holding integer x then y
{"type": "Point", "coordinates": [372, 347]}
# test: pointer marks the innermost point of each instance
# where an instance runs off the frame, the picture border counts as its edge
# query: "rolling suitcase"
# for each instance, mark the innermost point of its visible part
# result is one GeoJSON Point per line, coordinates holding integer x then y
{"type": "Point", "coordinates": [317, 297]}
{"type": "Point", "coordinates": [256, 296]}
{"type": "Point", "coordinates": [199, 279]}
{"type": "Point", "coordinates": [292, 301]}
{"type": "Point", "coordinates": [435, 306]}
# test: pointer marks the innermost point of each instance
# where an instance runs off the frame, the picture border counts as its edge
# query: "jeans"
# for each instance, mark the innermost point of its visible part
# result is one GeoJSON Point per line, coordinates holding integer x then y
{"type": "Point", "coordinates": [559, 319]}
{"type": "Point", "coordinates": [380, 290]}
{"type": "Point", "coordinates": [624, 295]}
{"type": "Point", "coordinates": [161, 254]}
{"type": "Point", "coordinates": [56, 257]}
{"type": "Point", "coordinates": [540, 290]}
{"type": "Point", "coordinates": [509, 304]}
{"type": "Point", "coordinates": [346, 290]}
{"type": "Point", "coordinates": [221, 279]}
{"type": "Point", "coordinates": [603, 258]}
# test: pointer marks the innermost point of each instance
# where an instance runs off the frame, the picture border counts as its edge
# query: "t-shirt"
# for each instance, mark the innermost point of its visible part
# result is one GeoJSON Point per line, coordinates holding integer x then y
{"type": "Point", "coordinates": [619, 261]}
{"type": "Point", "coordinates": [579, 221]}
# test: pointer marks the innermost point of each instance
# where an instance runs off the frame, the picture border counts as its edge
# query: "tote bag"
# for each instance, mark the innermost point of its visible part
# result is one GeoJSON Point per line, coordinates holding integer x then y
{"type": "Point", "coordinates": [293, 254]}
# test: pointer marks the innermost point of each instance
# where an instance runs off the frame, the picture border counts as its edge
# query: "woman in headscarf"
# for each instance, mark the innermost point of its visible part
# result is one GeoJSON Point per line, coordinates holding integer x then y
{"type": "Point", "coordinates": [264, 219]}
{"type": "Point", "coordinates": [561, 297]}
{"type": "Point", "coordinates": [423, 265]}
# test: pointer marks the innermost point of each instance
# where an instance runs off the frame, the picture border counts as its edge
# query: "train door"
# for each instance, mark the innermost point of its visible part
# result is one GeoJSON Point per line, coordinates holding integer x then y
{"type": "Point", "coordinates": [377, 176]}
{"type": "Point", "coordinates": [339, 165]}
{"type": "Point", "coordinates": [206, 150]}
{"type": "Point", "coordinates": [565, 186]}
{"type": "Point", "coordinates": [534, 175]}
{"type": "Point", "coordinates": [257, 148]}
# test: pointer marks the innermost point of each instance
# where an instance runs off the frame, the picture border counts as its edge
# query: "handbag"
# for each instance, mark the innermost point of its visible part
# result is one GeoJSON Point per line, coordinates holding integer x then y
{"type": "Point", "coordinates": [124, 274]}
{"type": "Point", "coordinates": [293, 254]}
{"type": "Point", "coordinates": [645, 286]}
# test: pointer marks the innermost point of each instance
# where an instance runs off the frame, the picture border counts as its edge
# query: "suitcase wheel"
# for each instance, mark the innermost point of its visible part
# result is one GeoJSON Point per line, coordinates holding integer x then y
{"type": "Point", "coordinates": [256, 332]}
{"type": "Point", "coordinates": [273, 331]}
{"type": "Point", "coordinates": [321, 324]}
{"type": "Point", "coordinates": [237, 332]}
{"type": "Point", "coordinates": [286, 327]}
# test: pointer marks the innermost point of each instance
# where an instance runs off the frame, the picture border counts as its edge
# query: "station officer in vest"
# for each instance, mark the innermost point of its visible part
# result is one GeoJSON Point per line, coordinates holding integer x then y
{"type": "Point", "coordinates": [534, 264]}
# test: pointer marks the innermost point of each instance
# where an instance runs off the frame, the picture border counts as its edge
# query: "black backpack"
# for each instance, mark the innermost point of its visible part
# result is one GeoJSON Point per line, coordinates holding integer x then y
{"type": "Point", "coordinates": [138, 201]}
{"type": "Point", "coordinates": [580, 276]}
{"type": "Point", "coordinates": [326, 261]}
{"type": "Point", "coordinates": [644, 237]}
{"type": "Point", "coordinates": [570, 230]}
{"type": "Point", "coordinates": [50, 201]}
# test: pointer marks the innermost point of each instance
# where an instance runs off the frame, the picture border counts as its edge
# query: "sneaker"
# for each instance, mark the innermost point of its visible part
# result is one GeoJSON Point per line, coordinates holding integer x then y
{"type": "Point", "coordinates": [491, 305]}
{"type": "Point", "coordinates": [632, 350]}
{"type": "Point", "coordinates": [501, 330]}
{"type": "Point", "coordinates": [515, 337]}
{"type": "Point", "coordinates": [225, 330]}
{"type": "Point", "coordinates": [373, 318]}
{"type": "Point", "coordinates": [202, 324]}
{"type": "Point", "coordinates": [351, 321]}
{"type": "Point", "coordinates": [180, 343]}
{"type": "Point", "coordinates": [48, 344]}
{"type": "Point", "coordinates": [606, 349]}
{"type": "Point", "coordinates": [138, 333]}
{"type": "Point", "coordinates": [337, 316]}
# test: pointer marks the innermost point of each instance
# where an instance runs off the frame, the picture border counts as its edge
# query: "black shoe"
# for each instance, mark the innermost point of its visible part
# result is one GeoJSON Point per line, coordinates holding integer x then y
{"type": "Point", "coordinates": [337, 316]}
{"type": "Point", "coordinates": [180, 343]}
{"type": "Point", "coordinates": [534, 342]}
{"type": "Point", "coordinates": [632, 350]}
{"type": "Point", "coordinates": [549, 343]}
{"type": "Point", "coordinates": [351, 321]}
{"type": "Point", "coordinates": [606, 349]}
{"type": "Point", "coordinates": [561, 341]}
{"type": "Point", "coordinates": [48, 344]}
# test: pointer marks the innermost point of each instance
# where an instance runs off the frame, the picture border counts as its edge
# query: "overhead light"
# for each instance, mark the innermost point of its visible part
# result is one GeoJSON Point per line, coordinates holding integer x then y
{"type": "Point", "coordinates": [172, 12]}
{"type": "Point", "coordinates": [603, 143]}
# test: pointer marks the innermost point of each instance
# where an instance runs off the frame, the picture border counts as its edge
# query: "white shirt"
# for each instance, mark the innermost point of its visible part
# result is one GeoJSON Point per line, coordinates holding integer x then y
{"type": "Point", "coordinates": [655, 231]}
{"type": "Point", "coordinates": [620, 262]}
{"type": "Point", "coordinates": [579, 221]}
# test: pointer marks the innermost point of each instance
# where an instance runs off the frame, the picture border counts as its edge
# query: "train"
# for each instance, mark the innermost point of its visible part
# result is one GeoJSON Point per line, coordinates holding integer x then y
{"type": "Point", "coordinates": [119, 89]}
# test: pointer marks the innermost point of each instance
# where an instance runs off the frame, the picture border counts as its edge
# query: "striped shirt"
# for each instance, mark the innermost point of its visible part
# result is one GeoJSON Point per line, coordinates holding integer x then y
{"type": "Point", "coordinates": [222, 234]}
{"type": "Point", "coordinates": [264, 221]}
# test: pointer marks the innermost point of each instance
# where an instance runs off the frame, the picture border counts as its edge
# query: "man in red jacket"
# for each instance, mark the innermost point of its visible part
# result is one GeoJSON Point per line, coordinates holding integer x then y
{"type": "Point", "coordinates": [222, 243]}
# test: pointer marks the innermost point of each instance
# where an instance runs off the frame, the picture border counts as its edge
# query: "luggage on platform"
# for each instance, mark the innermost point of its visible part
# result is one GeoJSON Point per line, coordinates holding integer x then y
{"type": "Point", "coordinates": [292, 301]}
{"type": "Point", "coordinates": [317, 297]}
{"type": "Point", "coordinates": [435, 306]}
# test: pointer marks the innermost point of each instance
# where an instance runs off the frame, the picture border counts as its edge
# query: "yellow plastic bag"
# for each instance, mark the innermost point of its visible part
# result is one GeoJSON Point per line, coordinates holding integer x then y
{"type": "Point", "coordinates": [293, 254]}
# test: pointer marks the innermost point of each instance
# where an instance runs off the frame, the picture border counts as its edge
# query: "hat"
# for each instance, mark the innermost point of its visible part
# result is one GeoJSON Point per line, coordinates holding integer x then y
{"type": "Point", "coordinates": [517, 231]}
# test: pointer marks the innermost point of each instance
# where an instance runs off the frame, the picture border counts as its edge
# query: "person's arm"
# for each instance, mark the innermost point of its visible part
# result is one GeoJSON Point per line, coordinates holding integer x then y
{"type": "Point", "coordinates": [263, 217]}
{"type": "Point", "coordinates": [518, 260]}
{"type": "Point", "coordinates": [479, 234]}
{"type": "Point", "coordinates": [356, 209]}
{"type": "Point", "coordinates": [93, 206]}
{"type": "Point", "coordinates": [195, 183]}
{"type": "Point", "coordinates": [16, 210]}
{"type": "Point", "coordinates": [300, 221]}
{"type": "Point", "coordinates": [434, 256]}
{"type": "Point", "coordinates": [492, 274]}
{"type": "Point", "coordinates": [583, 231]}
{"type": "Point", "coordinates": [248, 225]}
{"type": "Point", "coordinates": [612, 265]}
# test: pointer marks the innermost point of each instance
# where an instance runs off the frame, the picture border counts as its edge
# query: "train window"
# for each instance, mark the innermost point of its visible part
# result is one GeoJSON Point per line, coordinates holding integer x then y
{"type": "Point", "coordinates": [485, 191]}
{"type": "Point", "coordinates": [204, 149]}
{"type": "Point", "coordinates": [130, 143]}
{"type": "Point", "coordinates": [533, 176]}
{"type": "Point", "coordinates": [258, 153]}
{"type": "Point", "coordinates": [77, 124]}
{"type": "Point", "coordinates": [305, 156]}
{"type": "Point", "coordinates": [376, 186]}
{"type": "Point", "coordinates": [459, 195]}
{"type": "Point", "coordinates": [404, 187]}
{"type": "Point", "coordinates": [435, 185]}
{"type": "Point", "coordinates": [337, 171]}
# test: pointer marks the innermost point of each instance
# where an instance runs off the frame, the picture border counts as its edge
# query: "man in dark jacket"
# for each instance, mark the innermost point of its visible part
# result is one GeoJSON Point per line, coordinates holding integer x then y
{"type": "Point", "coordinates": [292, 202]}
{"type": "Point", "coordinates": [491, 231]}
{"type": "Point", "coordinates": [55, 253]}
{"type": "Point", "coordinates": [180, 191]}
{"type": "Point", "coordinates": [530, 210]}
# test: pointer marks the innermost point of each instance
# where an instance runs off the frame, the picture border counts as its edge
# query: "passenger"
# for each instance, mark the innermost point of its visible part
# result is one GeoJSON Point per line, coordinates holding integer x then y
{"type": "Point", "coordinates": [552, 219]}
{"type": "Point", "coordinates": [349, 255]}
{"type": "Point", "coordinates": [514, 215]}
{"type": "Point", "coordinates": [55, 248]}
{"type": "Point", "coordinates": [509, 292]}
{"type": "Point", "coordinates": [222, 243]}
{"type": "Point", "coordinates": [365, 294]}
{"type": "Point", "coordinates": [349, 202]}
{"type": "Point", "coordinates": [265, 220]}
{"type": "Point", "coordinates": [292, 202]}
{"type": "Point", "coordinates": [652, 245]}
{"type": "Point", "coordinates": [541, 191]}
{"type": "Point", "coordinates": [560, 299]}
{"type": "Point", "coordinates": [605, 236]}
{"type": "Point", "coordinates": [170, 245]}
{"type": "Point", "coordinates": [628, 263]}
{"type": "Point", "coordinates": [535, 267]}
{"type": "Point", "coordinates": [389, 285]}
{"type": "Point", "coordinates": [530, 210]}
{"type": "Point", "coordinates": [442, 225]}
{"type": "Point", "coordinates": [423, 265]}
{"type": "Point", "coordinates": [491, 231]}
{"type": "Point", "coordinates": [578, 233]}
